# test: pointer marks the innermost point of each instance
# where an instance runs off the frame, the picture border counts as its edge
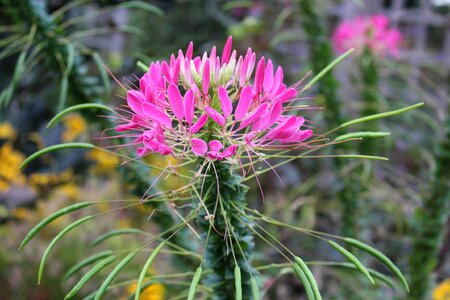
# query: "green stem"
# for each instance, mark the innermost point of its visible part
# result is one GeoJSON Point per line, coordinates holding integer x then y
{"type": "Point", "coordinates": [230, 242]}
{"type": "Point", "coordinates": [430, 224]}
{"type": "Point", "coordinates": [328, 86]}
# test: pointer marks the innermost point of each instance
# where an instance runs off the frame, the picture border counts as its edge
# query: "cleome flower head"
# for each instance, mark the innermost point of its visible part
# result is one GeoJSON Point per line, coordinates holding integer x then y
{"type": "Point", "coordinates": [372, 32]}
{"type": "Point", "coordinates": [212, 107]}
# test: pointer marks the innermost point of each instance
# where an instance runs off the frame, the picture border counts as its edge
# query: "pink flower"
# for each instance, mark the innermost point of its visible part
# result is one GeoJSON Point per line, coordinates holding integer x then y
{"type": "Point", "coordinates": [209, 106]}
{"type": "Point", "coordinates": [372, 32]}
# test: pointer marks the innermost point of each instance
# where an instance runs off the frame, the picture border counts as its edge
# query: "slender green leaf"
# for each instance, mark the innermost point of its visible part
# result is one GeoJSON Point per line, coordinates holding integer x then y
{"type": "Point", "coordinates": [361, 134]}
{"type": "Point", "coordinates": [70, 58]}
{"type": "Point", "coordinates": [112, 233]}
{"type": "Point", "coordinates": [380, 256]}
{"type": "Point", "coordinates": [194, 283]}
{"type": "Point", "coordinates": [55, 240]}
{"type": "Point", "coordinates": [50, 218]}
{"type": "Point", "coordinates": [350, 257]}
{"type": "Point", "coordinates": [61, 114]}
{"type": "Point", "coordinates": [255, 289]}
{"type": "Point", "coordinates": [309, 275]}
{"type": "Point", "coordinates": [143, 6]}
{"type": "Point", "coordinates": [86, 262]}
{"type": "Point", "coordinates": [113, 274]}
{"type": "Point", "coordinates": [142, 66]}
{"type": "Point", "coordinates": [327, 69]}
{"type": "Point", "coordinates": [103, 74]}
{"type": "Point", "coordinates": [237, 283]}
{"type": "Point", "coordinates": [381, 115]}
{"type": "Point", "coordinates": [304, 280]}
{"type": "Point", "coordinates": [63, 92]}
{"type": "Point", "coordinates": [145, 268]}
{"type": "Point", "coordinates": [91, 273]}
{"type": "Point", "coordinates": [55, 148]}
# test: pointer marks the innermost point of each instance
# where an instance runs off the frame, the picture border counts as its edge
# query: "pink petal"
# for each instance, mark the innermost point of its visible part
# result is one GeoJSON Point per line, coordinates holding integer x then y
{"type": "Point", "coordinates": [244, 103]}
{"type": "Point", "coordinates": [206, 77]}
{"type": "Point", "coordinates": [225, 102]}
{"type": "Point", "coordinates": [135, 100]}
{"type": "Point", "coordinates": [190, 50]}
{"type": "Point", "coordinates": [215, 145]}
{"type": "Point", "coordinates": [287, 94]}
{"type": "Point", "coordinates": [128, 126]}
{"type": "Point", "coordinates": [199, 124]}
{"type": "Point", "coordinates": [215, 116]}
{"type": "Point", "coordinates": [227, 50]}
{"type": "Point", "coordinates": [189, 106]}
{"type": "Point", "coordinates": [176, 101]}
{"type": "Point", "coordinates": [259, 76]}
{"type": "Point", "coordinates": [277, 80]}
{"type": "Point", "coordinates": [199, 146]}
{"type": "Point", "coordinates": [229, 151]}
{"type": "Point", "coordinates": [142, 151]}
{"type": "Point", "coordinates": [156, 115]}
{"type": "Point", "coordinates": [255, 115]}
{"type": "Point", "coordinates": [268, 76]}
{"type": "Point", "coordinates": [213, 155]}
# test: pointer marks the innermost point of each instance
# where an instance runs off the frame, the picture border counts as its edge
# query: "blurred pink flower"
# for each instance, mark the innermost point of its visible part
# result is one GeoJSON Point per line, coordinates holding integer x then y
{"type": "Point", "coordinates": [210, 106]}
{"type": "Point", "coordinates": [372, 32]}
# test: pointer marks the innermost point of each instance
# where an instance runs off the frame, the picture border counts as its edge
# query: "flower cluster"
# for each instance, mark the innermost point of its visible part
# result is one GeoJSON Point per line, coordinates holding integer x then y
{"type": "Point", "coordinates": [212, 106]}
{"type": "Point", "coordinates": [372, 32]}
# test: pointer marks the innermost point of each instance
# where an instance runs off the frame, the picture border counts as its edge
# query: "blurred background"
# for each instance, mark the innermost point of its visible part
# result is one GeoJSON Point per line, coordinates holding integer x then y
{"type": "Point", "coordinates": [52, 55]}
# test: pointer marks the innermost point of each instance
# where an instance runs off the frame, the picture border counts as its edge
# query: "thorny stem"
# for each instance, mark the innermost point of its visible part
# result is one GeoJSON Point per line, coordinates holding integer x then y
{"type": "Point", "coordinates": [230, 242]}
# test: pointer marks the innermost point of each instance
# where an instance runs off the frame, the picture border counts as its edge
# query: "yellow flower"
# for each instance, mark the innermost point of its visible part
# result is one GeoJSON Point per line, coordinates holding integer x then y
{"type": "Point", "coordinates": [152, 292]}
{"type": "Point", "coordinates": [75, 126]}
{"type": "Point", "coordinates": [21, 213]}
{"type": "Point", "coordinates": [104, 162]}
{"type": "Point", "coordinates": [7, 132]}
{"type": "Point", "coordinates": [442, 291]}
{"type": "Point", "coordinates": [70, 190]}
{"type": "Point", "coordinates": [10, 172]}
{"type": "Point", "coordinates": [166, 182]}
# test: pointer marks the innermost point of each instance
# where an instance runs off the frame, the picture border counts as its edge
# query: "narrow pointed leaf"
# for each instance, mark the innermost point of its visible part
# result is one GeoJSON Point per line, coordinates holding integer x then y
{"type": "Point", "coordinates": [53, 149]}
{"type": "Point", "coordinates": [50, 218]}
{"type": "Point", "coordinates": [91, 273]}
{"type": "Point", "coordinates": [112, 233]}
{"type": "Point", "coordinates": [113, 274]}
{"type": "Point", "coordinates": [309, 275]}
{"type": "Point", "coordinates": [381, 115]}
{"type": "Point", "coordinates": [237, 283]}
{"type": "Point", "coordinates": [145, 268]}
{"type": "Point", "coordinates": [304, 280]}
{"type": "Point", "coordinates": [380, 256]}
{"type": "Point", "coordinates": [361, 134]}
{"type": "Point", "coordinates": [86, 262]}
{"type": "Point", "coordinates": [141, 5]}
{"type": "Point", "coordinates": [194, 283]}
{"type": "Point", "coordinates": [255, 290]}
{"type": "Point", "coordinates": [55, 240]}
{"type": "Point", "coordinates": [58, 117]}
{"type": "Point", "coordinates": [351, 258]}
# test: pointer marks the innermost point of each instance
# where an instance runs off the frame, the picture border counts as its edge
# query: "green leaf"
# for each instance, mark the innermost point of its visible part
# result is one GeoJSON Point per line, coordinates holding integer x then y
{"type": "Point", "coordinates": [142, 66]}
{"type": "Point", "coordinates": [103, 74]}
{"type": "Point", "coordinates": [381, 115]}
{"type": "Point", "coordinates": [55, 148]}
{"type": "Point", "coordinates": [304, 280]}
{"type": "Point", "coordinates": [237, 283]}
{"type": "Point", "coordinates": [350, 257]}
{"type": "Point", "coordinates": [112, 233]}
{"type": "Point", "coordinates": [70, 58]}
{"type": "Point", "coordinates": [113, 274]}
{"type": "Point", "coordinates": [361, 134]}
{"type": "Point", "coordinates": [145, 268]}
{"type": "Point", "coordinates": [91, 273]}
{"type": "Point", "coordinates": [327, 69]}
{"type": "Point", "coordinates": [255, 290]}
{"type": "Point", "coordinates": [63, 92]}
{"type": "Point", "coordinates": [380, 256]}
{"type": "Point", "coordinates": [310, 277]}
{"type": "Point", "coordinates": [142, 6]}
{"type": "Point", "coordinates": [50, 218]}
{"type": "Point", "coordinates": [55, 240]}
{"type": "Point", "coordinates": [194, 283]}
{"type": "Point", "coordinates": [61, 114]}
{"type": "Point", "coordinates": [86, 262]}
